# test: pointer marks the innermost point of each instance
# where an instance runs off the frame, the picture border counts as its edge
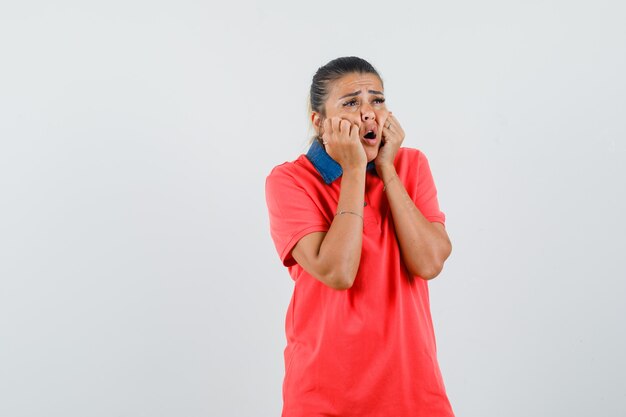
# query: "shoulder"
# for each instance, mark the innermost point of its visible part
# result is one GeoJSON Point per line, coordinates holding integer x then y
{"type": "Point", "coordinates": [413, 167]}
{"type": "Point", "coordinates": [410, 154]}
{"type": "Point", "coordinates": [297, 173]}
{"type": "Point", "coordinates": [410, 158]}
{"type": "Point", "coordinates": [288, 169]}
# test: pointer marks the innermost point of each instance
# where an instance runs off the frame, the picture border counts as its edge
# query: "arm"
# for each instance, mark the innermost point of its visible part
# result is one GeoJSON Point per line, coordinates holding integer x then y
{"type": "Point", "coordinates": [333, 257]}
{"type": "Point", "coordinates": [424, 245]}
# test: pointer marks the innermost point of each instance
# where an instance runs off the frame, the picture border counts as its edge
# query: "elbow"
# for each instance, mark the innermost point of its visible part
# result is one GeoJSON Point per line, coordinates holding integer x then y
{"type": "Point", "coordinates": [341, 280]}
{"type": "Point", "coordinates": [341, 285]}
{"type": "Point", "coordinates": [338, 273]}
{"type": "Point", "coordinates": [434, 268]}
{"type": "Point", "coordinates": [428, 272]}
{"type": "Point", "coordinates": [430, 269]}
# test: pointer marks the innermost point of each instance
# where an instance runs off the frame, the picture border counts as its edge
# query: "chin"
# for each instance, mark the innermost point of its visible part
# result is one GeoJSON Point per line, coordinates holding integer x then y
{"type": "Point", "coordinates": [371, 151]}
{"type": "Point", "coordinates": [371, 155]}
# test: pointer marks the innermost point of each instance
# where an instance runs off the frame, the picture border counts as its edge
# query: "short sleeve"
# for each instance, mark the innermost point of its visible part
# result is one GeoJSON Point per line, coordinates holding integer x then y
{"type": "Point", "coordinates": [292, 213]}
{"type": "Point", "coordinates": [426, 194]}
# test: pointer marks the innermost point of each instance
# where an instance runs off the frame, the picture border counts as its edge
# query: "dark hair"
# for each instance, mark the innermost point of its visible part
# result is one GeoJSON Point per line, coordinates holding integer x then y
{"type": "Point", "coordinates": [332, 71]}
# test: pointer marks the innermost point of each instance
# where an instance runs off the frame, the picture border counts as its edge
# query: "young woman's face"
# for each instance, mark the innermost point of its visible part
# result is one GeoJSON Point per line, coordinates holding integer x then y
{"type": "Point", "coordinates": [359, 99]}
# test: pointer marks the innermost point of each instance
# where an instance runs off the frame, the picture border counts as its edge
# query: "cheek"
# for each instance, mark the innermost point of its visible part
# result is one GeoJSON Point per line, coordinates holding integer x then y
{"type": "Point", "coordinates": [349, 112]}
{"type": "Point", "coordinates": [345, 112]}
{"type": "Point", "coordinates": [352, 116]}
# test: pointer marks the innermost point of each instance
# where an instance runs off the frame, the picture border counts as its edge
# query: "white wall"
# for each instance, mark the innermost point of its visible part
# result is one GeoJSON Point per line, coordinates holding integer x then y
{"type": "Point", "coordinates": [137, 275]}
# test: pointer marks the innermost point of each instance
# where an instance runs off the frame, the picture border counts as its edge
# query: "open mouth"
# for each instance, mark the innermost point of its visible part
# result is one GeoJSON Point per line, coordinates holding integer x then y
{"type": "Point", "coordinates": [370, 135]}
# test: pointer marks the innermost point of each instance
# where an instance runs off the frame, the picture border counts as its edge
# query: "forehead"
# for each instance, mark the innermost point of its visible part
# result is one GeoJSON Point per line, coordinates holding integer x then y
{"type": "Point", "coordinates": [352, 82]}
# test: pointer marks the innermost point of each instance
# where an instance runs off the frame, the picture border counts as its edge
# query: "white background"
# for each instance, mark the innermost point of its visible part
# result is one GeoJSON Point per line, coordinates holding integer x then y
{"type": "Point", "coordinates": [137, 273]}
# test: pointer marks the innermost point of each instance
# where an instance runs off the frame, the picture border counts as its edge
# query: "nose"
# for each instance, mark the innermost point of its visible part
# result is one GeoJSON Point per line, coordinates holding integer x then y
{"type": "Point", "coordinates": [367, 113]}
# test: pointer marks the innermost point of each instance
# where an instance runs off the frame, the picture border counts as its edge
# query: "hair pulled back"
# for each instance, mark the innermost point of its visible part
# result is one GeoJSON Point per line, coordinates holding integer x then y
{"type": "Point", "coordinates": [332, 71]}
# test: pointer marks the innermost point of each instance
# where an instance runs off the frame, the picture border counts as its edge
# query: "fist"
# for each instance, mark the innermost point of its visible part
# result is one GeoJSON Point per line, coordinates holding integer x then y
{"type": "Point", "coordinates": [342, 142]}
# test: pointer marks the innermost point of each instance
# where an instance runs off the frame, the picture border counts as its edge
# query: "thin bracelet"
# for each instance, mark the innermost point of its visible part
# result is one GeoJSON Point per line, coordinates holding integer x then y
{"type": "Point", "coordinates": [385, 185]}
{"type": "Point", "coordinates": [348, 212]}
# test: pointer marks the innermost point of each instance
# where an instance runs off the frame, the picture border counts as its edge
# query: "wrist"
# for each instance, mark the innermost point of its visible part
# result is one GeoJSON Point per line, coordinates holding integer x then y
{"type": "Point", "coordinates": [386, 172]}
{"type": "Point", "coordinates": [390, 180]}
{"type": "Point", "coordinates": [358, 169]}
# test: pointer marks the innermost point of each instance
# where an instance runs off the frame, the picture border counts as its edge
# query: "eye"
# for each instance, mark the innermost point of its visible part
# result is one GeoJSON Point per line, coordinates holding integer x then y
{"type": "Point", "coordinates": [350, 103]}
{"type": "Point", "coordinates": [379, 100]}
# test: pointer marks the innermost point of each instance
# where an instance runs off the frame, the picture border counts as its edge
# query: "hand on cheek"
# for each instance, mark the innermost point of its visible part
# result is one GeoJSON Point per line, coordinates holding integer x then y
{"type": "Point", "coordinates": [392, 138]}
{"type": "Point", "coordinates": [342, 142]}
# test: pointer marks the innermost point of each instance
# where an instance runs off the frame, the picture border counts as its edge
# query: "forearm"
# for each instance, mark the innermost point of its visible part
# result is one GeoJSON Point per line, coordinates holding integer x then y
{"type": "Point", "coordinates": [423, 247]}
{"type": "Point", "coordinates": [340, 251]}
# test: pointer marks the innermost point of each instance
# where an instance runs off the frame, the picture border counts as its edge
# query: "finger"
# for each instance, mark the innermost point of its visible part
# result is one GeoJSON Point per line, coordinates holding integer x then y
{"type": "Point", "coordinates": [397, 127]}
{"type": "Point", "coordinates": [393, 120]}
{"type": "Point", "coordinates": [344, 127]}
{"type": "Point", "coordinates": [335, 124]}
{"type": "Point", "coordinates": [385, 122]}
{"type": "Point", "coordinates": [354, 131]}
{"type": "Point", "coordinates": [387, 133]}
{"type": "Point", "coordinates": [326, 131]}
{"type": "Point", "coordinates": [326, 127]}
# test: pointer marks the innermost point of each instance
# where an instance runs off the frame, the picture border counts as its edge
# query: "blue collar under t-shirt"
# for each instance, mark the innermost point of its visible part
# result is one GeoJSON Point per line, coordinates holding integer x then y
{"type": "Point", "coordinates": [328, 168]}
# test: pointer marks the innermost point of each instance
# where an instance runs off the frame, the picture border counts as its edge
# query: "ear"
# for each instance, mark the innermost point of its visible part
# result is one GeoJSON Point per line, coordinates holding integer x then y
{"type": "Point", "coordinates": [316, 119]}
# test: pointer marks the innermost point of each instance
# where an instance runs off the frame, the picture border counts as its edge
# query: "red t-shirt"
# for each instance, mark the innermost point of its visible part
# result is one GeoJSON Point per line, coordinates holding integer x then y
{"type": "Point", "coordinates": [369, 350]}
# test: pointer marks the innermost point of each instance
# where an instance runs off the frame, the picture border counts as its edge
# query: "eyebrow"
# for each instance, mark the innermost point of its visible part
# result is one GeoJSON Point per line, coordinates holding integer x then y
{"type": "Point", "coordinates": [356, 93]}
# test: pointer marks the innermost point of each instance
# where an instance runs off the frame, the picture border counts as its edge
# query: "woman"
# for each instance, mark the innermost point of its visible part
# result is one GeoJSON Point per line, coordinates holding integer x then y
{"type": "Point", "coordinates": [357, 222]}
